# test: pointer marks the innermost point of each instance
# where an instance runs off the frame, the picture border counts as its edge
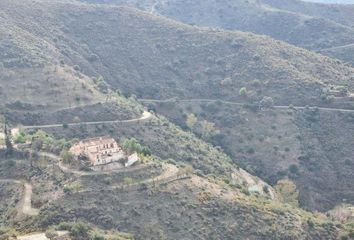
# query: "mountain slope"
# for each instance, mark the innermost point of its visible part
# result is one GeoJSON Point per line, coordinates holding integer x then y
{"type": "Point", "coordinates": [310, 25]}
{"type": "Point", "coordinates": [30, 65]}
{"type": "Point", "coordinates": [188, 208]}
{"type": "Point", "coordinates": [312, 147]}
{"type": "Point", "coordinates": [154, 57]}
{"type": "Point", "coordinates": [342, 14]}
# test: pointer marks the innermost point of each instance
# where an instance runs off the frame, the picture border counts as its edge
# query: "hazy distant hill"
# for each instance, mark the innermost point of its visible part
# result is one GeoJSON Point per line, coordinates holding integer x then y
{"type": "Point", "coordinates": [332, 1]}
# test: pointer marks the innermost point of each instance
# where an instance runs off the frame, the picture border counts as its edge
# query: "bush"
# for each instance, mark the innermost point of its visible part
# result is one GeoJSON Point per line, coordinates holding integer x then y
{"type": "Point", "coordinates": [51, 234]}
{"type": "Point", "coordinates": [10, 163]}
{"type": "Point", "coordinates": [294, 169]}
{"type": "Point", "coordinates": [132, 145]}
{"type": "Point", "coordinates": [107, 180]}
{"type": "Point", "coordinates": [64, 226]}
{"type": "Point", "coordinates": [67, 157]}
{"type": "Point", "coordinates": [77, 68]}
{"type": "Point", "coordinates": [267, 102]}
{"type": "Point", "coordinates": [265, 189]}
{"type": "Point", "coordinates": [98, 236]}
{"type": "Point", "coordinates": [128, 181]}
{"type": "Point", "coordinates": [20, 139]}
{"type": "Point", "coordinates": [80, 231]}
{"type": "Point", "coordinates": [243, 91]}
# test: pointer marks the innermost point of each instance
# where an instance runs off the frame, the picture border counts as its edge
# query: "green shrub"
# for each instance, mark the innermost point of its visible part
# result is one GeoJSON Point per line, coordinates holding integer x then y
{"type": "Point", "coordinates": [51, 234]}
{"type": "Point", "coordinates": [243, 91]}
{"type": "Point", "coordinates": [107, 180]}
{"type": "Point", "coordinates": [80, 231]}
{"type": "Point", "coordinates": [67, 157]}
{"type": "Point", "coordinates": [132, 145]}
{"type": "Point", "coordinates": [294, 169]}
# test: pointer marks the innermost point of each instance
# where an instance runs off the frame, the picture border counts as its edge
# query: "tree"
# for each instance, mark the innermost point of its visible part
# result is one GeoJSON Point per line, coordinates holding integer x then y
{"type": "Point", "coordinates": [128, 181]}
{"type": "Point", "coordinates": [267, 102]}
{"type": "Point", "coordinates": [8, 140]}
{"type": "Point", "coordinates": [67, 157]}
{"type": "Point", "coordinates": [208, 130]}
{"type": "Point", "coordinates": [132, 145]}
{"type": "Point", "coordinates": [294, 169]}
{"type": "Point", "coordinates": [288, 192]}
{"type": "Point", "coordinates": [80, 231]}
{"type": "Point", "coordinates": [191, 121]}
{"type": "Point", "coordinates": [243, 91]}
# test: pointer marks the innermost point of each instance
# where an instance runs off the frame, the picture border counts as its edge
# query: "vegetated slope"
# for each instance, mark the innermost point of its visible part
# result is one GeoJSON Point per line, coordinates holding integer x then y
{"type": "Point", "coordinates": [9, 198]}
{"type": "Point", "coordinates": [311, 147]}
{"type": "Point", "coordinates": [154, 57]}
{"type": "Point", "coordinates": [201, 155]}
{"type": "Point", "coordinates": [309, 25]}
{"type": "Point", "coordinates": [190, 208]}
{"type": "Point", "coordinates": [344, 53]}
{"type": "Point", "coordinates": [342, 14]}
{"type": "Point", "coordinates": [187, 209]}
{"type": "Point", "coordinates": [299, 23]}
{"type": "Point", "coordinates": [31, 73]}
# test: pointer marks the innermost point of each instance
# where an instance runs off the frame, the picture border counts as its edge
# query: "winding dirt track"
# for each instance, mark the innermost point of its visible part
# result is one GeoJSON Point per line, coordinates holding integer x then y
{"type": "Point", "coordinates": [239, 104]}
{"type": "Point", "coordinates": [145, 116]}
{"type": "Point", "coordinates": [336, 48]}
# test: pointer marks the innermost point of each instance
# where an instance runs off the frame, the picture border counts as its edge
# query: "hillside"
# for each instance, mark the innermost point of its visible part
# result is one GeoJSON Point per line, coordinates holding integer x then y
{"type": "Point", "coordinates": [136, 57]}
{"type": "Point", "coordinates": [309, 25]}
{"type": "Point", "coordinates": [29, 65]}
{"type": "Point", "coordinates": [332, 1]}
{"type": "Point", "coordinates": [191, 207]}
{"type": "Point", "coordinates": [310, 146]}
{"type": "Point", "coordinates": [341, 14]}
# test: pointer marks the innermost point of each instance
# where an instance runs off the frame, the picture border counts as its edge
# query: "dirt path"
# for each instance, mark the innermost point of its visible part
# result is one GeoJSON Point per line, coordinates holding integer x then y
{"type": "Point", "coordinates": [67, 169]}
{"type": "Point", "coordinates": [26, 200]}
{"type": "Point", "coordinates": [93, 173]}
{"type": "Point", "coordinates": [239, 104]}
{"type": "Point", "coordinates": [169, 171]}
{"type": "Point", "coordinates": [145, 116]}
{"type": "Point", "coordinates": [40, 236]}
{"type": "Point", "coordinates": [10, 181]}
{"type": "Point", "coordinates": [336, 48]}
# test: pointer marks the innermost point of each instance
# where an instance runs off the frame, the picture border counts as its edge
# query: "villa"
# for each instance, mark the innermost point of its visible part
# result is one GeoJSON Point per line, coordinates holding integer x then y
{"type": "Point", "coordinates": [102, 151]}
